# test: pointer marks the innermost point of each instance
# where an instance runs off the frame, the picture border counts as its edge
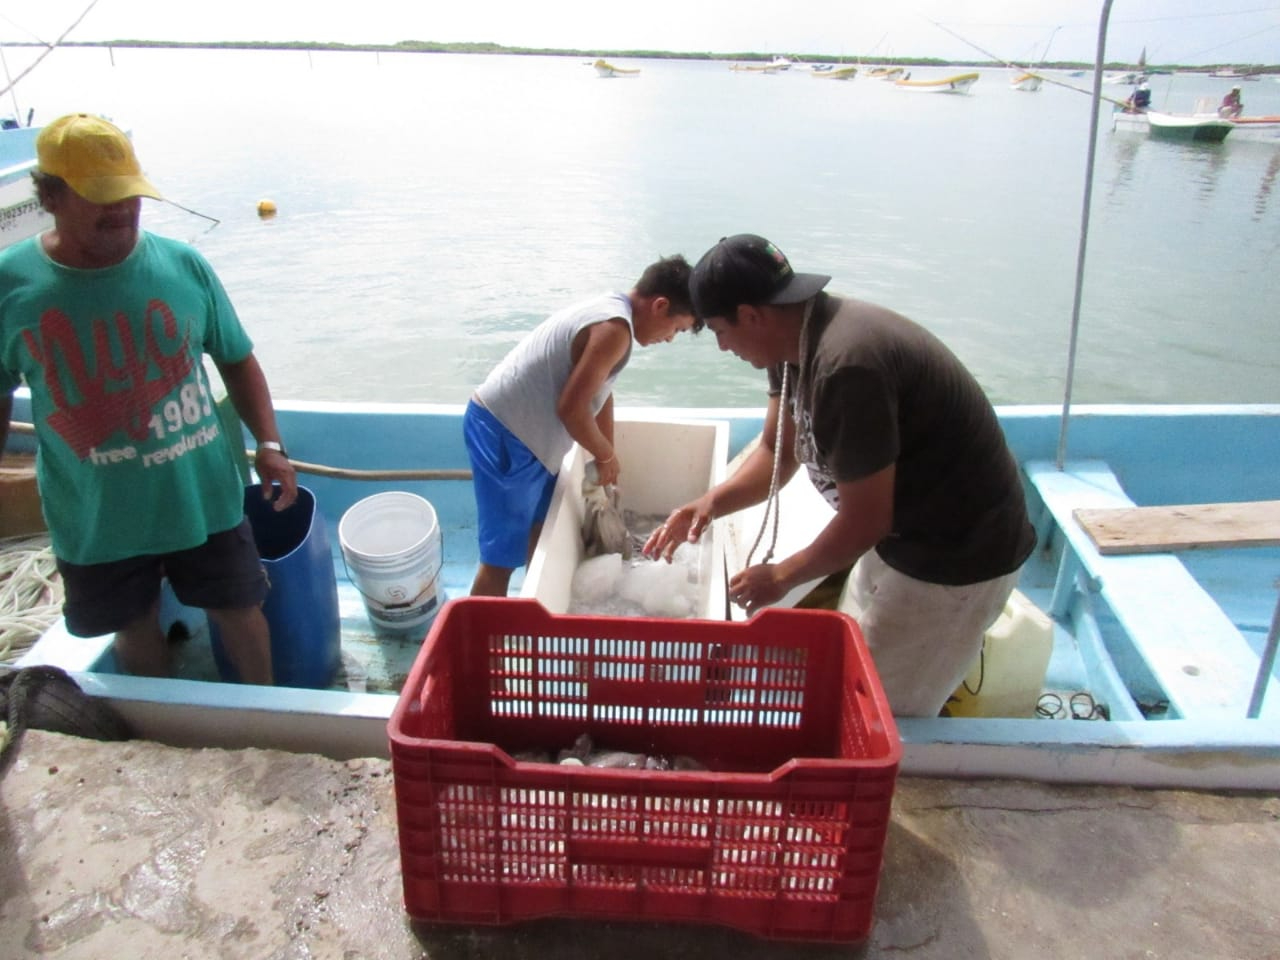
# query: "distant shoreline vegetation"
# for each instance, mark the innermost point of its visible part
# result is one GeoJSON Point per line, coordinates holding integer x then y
{"type": "Point", "coordinates": [429, 46]}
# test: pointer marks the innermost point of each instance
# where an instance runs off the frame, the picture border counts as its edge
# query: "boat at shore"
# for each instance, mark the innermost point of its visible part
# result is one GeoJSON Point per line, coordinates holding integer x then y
{"type": "Point", "coordinates": [1163, 652]}
{"type": "Point", "coordinates": [959, 83]}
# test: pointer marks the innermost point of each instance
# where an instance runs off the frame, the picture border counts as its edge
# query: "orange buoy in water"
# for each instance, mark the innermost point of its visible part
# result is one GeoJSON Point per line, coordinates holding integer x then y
{"type": "Point", "coordinates": [266, 209]}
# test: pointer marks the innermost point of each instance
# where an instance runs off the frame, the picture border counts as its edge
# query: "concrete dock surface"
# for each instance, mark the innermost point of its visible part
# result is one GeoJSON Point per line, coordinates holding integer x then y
{"type": "Point", "coordinates": [136, 850]}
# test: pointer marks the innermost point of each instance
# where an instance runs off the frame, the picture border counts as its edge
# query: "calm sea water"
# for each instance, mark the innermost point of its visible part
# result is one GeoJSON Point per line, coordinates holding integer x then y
{"type": "Point", "coordinates": [433, 208]}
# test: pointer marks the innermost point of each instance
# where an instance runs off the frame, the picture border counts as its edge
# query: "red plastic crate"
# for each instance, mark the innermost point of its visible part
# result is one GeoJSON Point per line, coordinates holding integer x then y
{"type": "Point", "coordinates": [782, 836]}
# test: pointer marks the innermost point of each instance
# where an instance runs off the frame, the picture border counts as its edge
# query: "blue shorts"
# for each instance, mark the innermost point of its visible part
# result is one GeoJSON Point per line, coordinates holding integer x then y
{"type": "Point", "coordinates": [513, 488]}
{"type": "Point", "coordinates": [223, 573]}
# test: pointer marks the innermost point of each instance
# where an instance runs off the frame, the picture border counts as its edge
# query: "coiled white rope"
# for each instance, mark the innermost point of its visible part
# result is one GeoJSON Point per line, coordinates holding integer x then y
{"type": "Point", "coordinates": [30, 594]}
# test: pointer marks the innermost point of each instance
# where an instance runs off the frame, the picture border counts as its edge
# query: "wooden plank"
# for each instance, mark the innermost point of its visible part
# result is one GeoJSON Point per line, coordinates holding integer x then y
{"type": "Point", "coordinates": [1183, 527]}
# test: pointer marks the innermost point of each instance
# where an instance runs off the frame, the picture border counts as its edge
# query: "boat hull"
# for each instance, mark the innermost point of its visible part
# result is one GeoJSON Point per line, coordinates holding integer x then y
{"type": "Point", "coordinates": [1205, 128]}
{"type": "Point", "coordinates": [1188, 129]}
{"type": "Point", "coordinates": [836, 73]}
{"type": "Point", "coordinates": [606, 70]}
{"type": "Point", "coordinates": [960, 84]}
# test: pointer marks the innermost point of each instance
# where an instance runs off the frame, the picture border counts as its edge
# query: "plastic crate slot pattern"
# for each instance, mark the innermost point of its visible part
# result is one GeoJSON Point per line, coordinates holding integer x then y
{"type": "Point", "coordinates": [593, 838]}
{"type": "Point", "coordinates": [783, 837]}
{"type": "Point", "coordinates": [736, 685]}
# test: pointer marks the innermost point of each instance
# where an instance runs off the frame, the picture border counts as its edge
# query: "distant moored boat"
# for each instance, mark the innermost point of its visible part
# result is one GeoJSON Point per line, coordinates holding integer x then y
{"type": "Point", "coordinates": [1026, 82]}
{"type": "Point", "coordinates": [605, 69]}
{"type": "Point", "coordinates": [960, 83]}
{"type": "Point", "coordinates": [836, 73]}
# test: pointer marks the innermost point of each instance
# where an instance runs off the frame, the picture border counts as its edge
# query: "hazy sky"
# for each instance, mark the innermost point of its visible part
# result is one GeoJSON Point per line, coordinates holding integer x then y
{"type": "Point", "coordinates": [1172, 31]}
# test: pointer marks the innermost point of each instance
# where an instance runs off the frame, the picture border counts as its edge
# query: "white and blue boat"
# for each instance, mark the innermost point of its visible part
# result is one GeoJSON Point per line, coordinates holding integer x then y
{"type": "Point", "coordinates": [1171, 650]}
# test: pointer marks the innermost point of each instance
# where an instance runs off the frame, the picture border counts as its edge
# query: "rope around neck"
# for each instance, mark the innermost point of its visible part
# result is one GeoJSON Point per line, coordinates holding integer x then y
{"type": "Point", "coordinates": [772, 504]}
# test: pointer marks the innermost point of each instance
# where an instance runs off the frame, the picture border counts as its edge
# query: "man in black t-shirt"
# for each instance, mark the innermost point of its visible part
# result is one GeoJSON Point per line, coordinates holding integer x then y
{"type": "Point", "coordinates": [899, 438]}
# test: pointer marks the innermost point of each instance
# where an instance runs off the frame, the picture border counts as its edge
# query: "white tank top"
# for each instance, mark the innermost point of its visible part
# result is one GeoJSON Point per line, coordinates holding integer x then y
{"type": "Point", "coordinates": [522, 390]}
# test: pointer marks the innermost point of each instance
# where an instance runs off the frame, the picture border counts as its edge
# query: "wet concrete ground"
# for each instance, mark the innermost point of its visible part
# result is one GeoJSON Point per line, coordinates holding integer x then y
{"type": "Point", "coordinates": [135, 850]}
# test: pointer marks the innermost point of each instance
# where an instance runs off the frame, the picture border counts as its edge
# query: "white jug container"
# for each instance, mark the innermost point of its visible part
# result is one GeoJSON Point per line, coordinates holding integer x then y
{"type": "Point", "coordinates": [1008, 676]}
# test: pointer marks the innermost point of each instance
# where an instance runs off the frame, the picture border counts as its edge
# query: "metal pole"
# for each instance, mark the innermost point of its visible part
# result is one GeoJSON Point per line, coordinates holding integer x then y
{"type": "Point", "coordinates": [1099, 60]}
{"type": "Point", "coordinates": [1267, 665]}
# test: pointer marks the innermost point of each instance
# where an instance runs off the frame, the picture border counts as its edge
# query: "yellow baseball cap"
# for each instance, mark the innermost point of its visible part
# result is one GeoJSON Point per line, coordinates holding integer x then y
{"type": "Point", "coordinates": [95, 157]}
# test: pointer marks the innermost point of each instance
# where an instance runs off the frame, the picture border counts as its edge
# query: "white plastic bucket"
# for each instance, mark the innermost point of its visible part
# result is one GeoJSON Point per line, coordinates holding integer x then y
{"type": "Point", "coordinates": [391, 545]}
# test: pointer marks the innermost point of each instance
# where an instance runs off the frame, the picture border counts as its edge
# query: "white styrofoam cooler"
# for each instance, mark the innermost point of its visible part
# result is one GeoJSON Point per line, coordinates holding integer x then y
{"type": "Point", "coordinates": [665, 464]}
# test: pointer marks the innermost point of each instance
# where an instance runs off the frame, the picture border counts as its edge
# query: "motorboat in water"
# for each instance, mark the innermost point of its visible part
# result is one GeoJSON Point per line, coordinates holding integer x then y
{"type": "Point", "coordinates": [1129, 79]}
{"type": "Point", "coordinates": [1195, 127]}
{"type": "Point", "coordinates": [960, 83]}
{"type": "Point", "coordinates": [1026, 82]}
{"type": "Point", "coordinates": [605, 70]}
{"type": "Point", "coordinates": [885, 73]}
{"type": "Point", "coordinates": [835, 73]}
{"type": "Point", "coordinates": [1191, 128]}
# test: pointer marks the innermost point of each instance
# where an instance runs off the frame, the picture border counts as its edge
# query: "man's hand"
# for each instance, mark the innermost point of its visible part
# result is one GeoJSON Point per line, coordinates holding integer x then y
{"type": "Point", "coordinates": [273, 467]}
{"type": "Point", "coordinates": [757, 587]}
{"type": "Point", "coordinates": [686, 523]}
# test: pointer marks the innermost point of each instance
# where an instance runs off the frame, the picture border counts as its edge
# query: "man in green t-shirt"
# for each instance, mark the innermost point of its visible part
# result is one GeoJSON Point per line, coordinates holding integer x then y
{"type": "Point", "coordinates": [108, 326]}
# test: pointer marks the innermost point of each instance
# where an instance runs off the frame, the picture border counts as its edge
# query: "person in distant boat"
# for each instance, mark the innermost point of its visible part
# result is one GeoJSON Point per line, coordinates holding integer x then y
{"type": "Point", "coordinates": [556, 387]}
{"type": "Point", "coordinates": [1140, 100]}
{"type": "Point", "coordinates": [109, 325]}
{"type": "Point", "coordinates": [929, 513]}
{"type": "Point", "coordinates": [1232, 105]}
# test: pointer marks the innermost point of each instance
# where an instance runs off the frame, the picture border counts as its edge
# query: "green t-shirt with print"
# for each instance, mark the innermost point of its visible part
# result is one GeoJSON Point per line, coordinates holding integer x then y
{"type": "Point", "coordinates": [131, 456]}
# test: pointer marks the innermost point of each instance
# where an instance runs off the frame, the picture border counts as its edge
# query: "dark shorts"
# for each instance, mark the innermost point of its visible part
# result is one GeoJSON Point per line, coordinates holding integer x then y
{"type": "Point", "coordinates": [223, 573]}
{"type": "Point", "coordinates": [512, 487]}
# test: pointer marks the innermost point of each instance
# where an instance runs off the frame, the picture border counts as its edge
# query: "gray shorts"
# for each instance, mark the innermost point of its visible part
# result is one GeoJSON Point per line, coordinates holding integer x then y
{"type": "Point", "coordinates": [222, 573]}
{"type": "Point", "coordinates": [923, 637]}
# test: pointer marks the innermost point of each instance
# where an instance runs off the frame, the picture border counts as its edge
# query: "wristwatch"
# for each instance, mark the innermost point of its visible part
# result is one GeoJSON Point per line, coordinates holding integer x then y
{"type": "Point", "coordinates": [272, 445]}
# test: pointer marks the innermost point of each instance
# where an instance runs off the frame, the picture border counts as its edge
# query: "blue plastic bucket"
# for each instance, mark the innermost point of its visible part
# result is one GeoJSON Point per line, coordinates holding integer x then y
{"type": "Point", "coordinates": [302, 604]}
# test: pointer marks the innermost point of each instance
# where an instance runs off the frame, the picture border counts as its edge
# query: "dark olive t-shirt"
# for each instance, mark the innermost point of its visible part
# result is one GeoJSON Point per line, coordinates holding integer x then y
{"type": "Point", "coordinates": [874, 389]}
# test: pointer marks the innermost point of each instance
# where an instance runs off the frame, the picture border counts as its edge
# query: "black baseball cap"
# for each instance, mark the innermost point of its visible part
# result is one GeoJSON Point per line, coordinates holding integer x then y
{"type": "Point", "coordinates": [747, 269]}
